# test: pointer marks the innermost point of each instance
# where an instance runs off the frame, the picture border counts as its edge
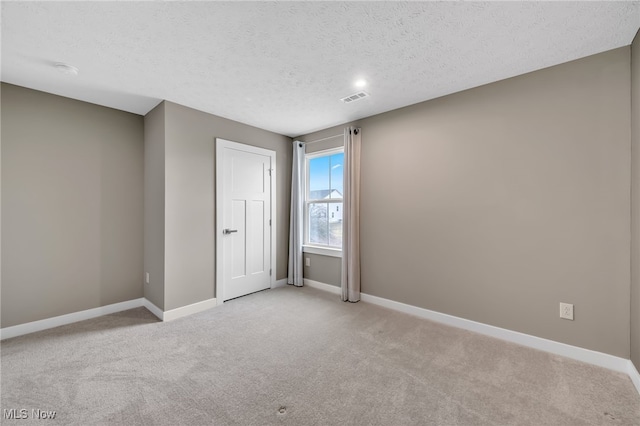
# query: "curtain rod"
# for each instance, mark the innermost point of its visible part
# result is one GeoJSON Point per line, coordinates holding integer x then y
{"type": "Point", "coordinates": [323, 139]}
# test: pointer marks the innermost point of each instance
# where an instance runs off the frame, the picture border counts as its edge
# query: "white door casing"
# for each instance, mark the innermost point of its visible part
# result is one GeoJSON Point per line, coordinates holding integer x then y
{"type": "Point", "coordinates": [245, 229]}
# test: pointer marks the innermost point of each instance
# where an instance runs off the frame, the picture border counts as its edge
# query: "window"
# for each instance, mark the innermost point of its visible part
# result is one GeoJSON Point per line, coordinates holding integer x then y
{"type": "Point", "coordinates": [324, 196]}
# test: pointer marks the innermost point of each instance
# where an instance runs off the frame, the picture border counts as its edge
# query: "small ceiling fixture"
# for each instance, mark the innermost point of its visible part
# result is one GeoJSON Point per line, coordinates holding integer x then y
{"type": "Point", "coordinates": [361, 83]}
{"type": "Point", "coordinates": [66, 68]}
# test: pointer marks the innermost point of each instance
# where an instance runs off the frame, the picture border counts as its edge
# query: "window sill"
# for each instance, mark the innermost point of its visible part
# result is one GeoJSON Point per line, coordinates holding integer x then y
{"type": "Point", "coordinates": [322, 251]}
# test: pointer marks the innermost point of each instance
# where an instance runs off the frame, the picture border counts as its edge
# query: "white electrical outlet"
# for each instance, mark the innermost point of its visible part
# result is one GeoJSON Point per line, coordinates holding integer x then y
{"type": "Point", "coordinates": [146, 278]}
{"type": "Point", "coordinates": [566, 311]}
{"type": "Point", "coordinates": [307, 261]}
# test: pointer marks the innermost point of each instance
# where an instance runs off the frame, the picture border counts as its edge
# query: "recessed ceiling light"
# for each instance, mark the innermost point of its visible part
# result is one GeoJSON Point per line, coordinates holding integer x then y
{"type": "Point", "coordinates": [361, 83]}
{"type": "Point", "coordinates": [66, 68]}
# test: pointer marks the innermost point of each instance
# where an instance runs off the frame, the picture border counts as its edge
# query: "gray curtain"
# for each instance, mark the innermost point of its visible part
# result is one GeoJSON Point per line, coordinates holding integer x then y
{"type": "Point", "coordinates": [296, 219]}
{"type": "Point", "coordinates": [351, 216]}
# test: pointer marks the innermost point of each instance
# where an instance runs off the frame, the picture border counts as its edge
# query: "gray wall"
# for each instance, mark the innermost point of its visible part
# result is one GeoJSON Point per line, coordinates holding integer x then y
{"type": "Point", "coordinates": [72, 209]}
{"type": "Point", "coordinates": [335, 141]}
{"type": "Point", "coordinates": [190, 199]}
{"type": "Point", "coordinates": [635, 208]}
{"type": "Point", "coordinates": [154, 187]}
{"type": "Point", "coordinates": [497, 203]}
{"type": "Point", "coordinates": [324, 269]}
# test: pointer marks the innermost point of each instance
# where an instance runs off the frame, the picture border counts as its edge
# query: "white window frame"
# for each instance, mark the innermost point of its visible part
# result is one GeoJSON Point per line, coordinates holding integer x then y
{"type": "Point", "coordinates": [308, 247]}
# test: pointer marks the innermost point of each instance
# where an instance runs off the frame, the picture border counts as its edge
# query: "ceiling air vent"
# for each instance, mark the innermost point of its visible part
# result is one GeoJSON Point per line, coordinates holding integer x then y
{"type": "Point", "coordinates": [354, 97]}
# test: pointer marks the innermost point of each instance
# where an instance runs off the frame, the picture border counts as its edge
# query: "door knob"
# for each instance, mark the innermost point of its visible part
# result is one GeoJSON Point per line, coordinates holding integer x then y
{"type": "Point", "coordinates": [229, 231]}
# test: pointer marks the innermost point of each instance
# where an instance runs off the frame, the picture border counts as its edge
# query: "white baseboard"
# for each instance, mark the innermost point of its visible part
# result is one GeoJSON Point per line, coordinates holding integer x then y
{"type": "Point", "coordinates": [194, 308]}
{"type": "Point", "coordinates": [322, 286]}
{"type": "Point", "coordinates": [634, 376]}
{"type": "Point", "coordinates": [581, 354]}
{"type": "Point", "coordinates": [45, 324]}
{"type": "Point", "coordinates": [32, 327]}
{"type": "Point", "coordinates": [153, 308]}
{"type": "Point", "coordinates": [280, 283]}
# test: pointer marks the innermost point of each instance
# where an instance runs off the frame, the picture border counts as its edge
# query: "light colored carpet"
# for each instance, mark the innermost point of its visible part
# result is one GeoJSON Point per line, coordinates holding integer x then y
{"type": "Point", "coordinates": [324, 362]}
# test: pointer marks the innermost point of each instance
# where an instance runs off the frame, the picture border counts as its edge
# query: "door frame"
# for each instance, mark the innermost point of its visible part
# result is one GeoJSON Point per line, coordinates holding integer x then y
{"type": "Point", "coordinates": [221, 144]}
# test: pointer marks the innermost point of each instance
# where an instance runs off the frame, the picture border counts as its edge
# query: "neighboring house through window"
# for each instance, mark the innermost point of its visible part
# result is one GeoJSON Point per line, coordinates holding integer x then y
{"type": "Point", "coordinates": [323, 231]}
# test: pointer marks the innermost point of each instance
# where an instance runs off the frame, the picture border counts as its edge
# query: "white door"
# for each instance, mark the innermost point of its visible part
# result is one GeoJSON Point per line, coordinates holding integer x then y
{"type": "Point", "coordinates": [245, 203]}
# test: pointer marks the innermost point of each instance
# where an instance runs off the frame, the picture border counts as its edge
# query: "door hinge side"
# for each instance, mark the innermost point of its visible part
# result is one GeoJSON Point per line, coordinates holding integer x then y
{"type": "Point", "coordinates": [270, 271]}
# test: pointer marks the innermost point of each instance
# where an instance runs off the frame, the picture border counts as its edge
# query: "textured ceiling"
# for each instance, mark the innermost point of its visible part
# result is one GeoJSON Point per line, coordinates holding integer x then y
{"type": "Point", "coordinates": [284, 66]}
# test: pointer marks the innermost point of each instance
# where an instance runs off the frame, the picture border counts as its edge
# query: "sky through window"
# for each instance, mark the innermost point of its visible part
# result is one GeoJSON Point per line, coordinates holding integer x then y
{"type": "Point", "coordinates": [325, 173]}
